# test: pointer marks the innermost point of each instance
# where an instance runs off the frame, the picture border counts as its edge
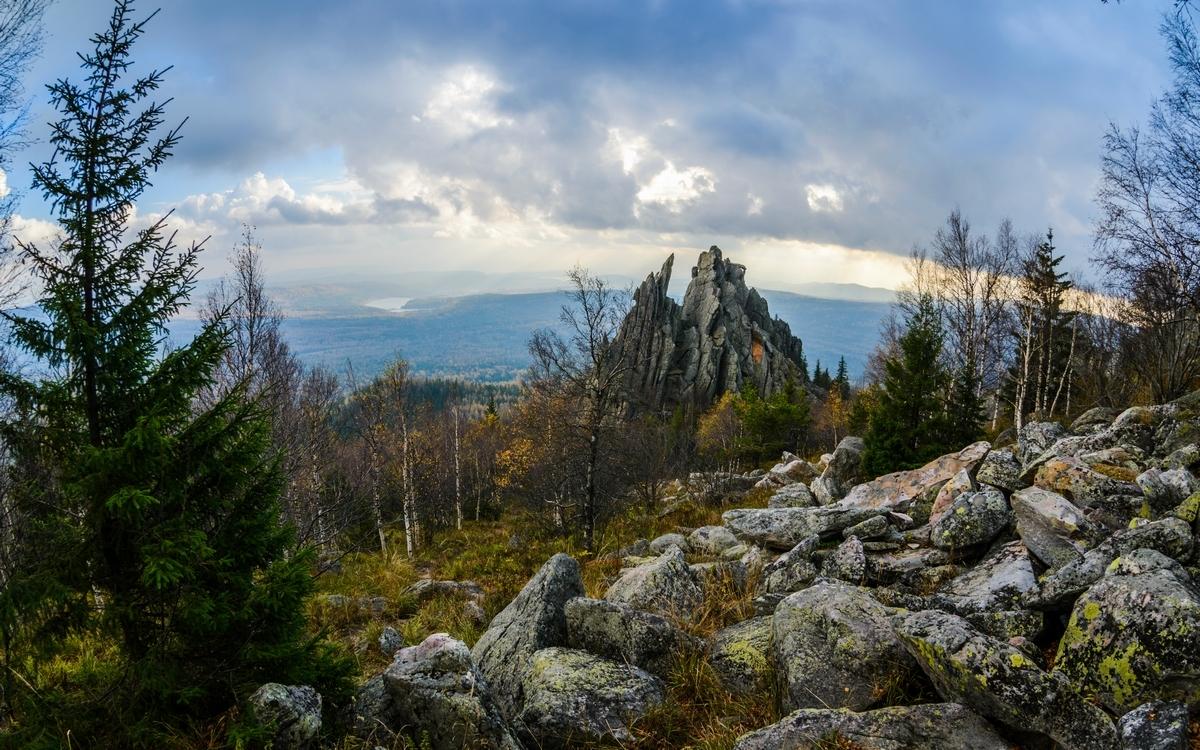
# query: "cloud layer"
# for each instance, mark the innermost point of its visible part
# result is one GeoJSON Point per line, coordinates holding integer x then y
{"type": "Point", "coordinates": [450, 134]}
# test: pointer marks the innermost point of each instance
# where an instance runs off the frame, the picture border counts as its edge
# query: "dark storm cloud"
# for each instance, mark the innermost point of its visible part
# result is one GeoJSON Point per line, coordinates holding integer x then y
{"type": "Point", "coordinates": [890, 113]}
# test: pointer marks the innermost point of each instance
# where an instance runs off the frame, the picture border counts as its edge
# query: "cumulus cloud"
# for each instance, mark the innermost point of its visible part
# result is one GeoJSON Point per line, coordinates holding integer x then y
{"type": "Point", "coordinates": [823, 198]}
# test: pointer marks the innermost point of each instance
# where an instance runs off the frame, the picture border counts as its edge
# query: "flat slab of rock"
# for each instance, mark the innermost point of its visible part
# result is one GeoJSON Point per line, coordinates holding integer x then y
{"type": "Point", "coordinates": [619, 632]}
{"type": "Point", "coordinates": [665, 586]}
{"type": "Point", "coordinates": [437, 693]}
{"type": "Point", "coordinates": [533, 620]}
{"type": "Point", "coordinates": [1003, 579]}
{"type": "Point", "coordinates": [573, 697]}
{"type": "Point", "coordinates": [1053, 528]}
{"type": "Point", "coordinates": [931, 726]}
{"type": "Point", "coordinates": [833, 646]}
{"type": "Point", "coordinates": [1133, 638]}
{"type": "Point", "coordinates": [792, 496]}
{"type": "Point", "coordinates": [784, 528]}
{"type": "Point", "coordinates": [902, 489]}
{"type": "Point", "coordinates": [1080, 483]}
{"type": "Point", "coordinates": [740, 656]}
{"type": "Point", "coordinates": [1003, 683]}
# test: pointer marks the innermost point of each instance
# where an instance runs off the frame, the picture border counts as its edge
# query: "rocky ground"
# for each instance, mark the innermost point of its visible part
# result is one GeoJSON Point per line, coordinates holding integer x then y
{"type": "Point", "coordinates": [1036, 593]}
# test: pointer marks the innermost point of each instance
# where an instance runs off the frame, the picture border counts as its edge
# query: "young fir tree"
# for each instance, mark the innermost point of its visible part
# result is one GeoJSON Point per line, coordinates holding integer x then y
{"type": "Point", "coordinates": [174, 538]}
{"type": "Point", "coordinates": [964, 408]}
{"type": "Point", "coordinates": [909, 426]}
{"type": "Point", "coordinates": [842, 379]}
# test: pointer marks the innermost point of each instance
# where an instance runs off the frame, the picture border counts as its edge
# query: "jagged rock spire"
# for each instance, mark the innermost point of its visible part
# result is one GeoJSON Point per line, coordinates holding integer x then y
{"type": "Point", "coordinates": [721, 337]}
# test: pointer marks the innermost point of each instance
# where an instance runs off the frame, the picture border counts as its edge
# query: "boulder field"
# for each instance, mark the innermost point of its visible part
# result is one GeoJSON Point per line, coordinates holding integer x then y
{"type": "Point", "coordinates": [1037, 594]}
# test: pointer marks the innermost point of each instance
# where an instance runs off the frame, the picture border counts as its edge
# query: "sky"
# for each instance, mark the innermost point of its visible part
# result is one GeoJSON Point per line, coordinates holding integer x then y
{"type": "Point", "coordinates": [813, 140]}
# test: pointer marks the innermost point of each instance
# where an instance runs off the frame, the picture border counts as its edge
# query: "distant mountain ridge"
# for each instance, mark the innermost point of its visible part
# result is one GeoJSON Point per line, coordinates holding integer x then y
{"type": "Point", "coordinates": [484, 336]}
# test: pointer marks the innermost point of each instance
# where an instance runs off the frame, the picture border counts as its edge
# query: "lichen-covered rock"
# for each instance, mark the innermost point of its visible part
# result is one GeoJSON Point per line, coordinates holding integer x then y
{"type": "Point", "coordinates": [1008, 624]}
{"type": "Point", "coordinates": [1142, 561]}
{"type": "Point", "coordinates": [833, 647]}
{"type": "Point", "coordinates": [293, 713]}
{"type": "Point", "coordinates": [1158, 725]}
{"type": "Point", "coordinates": [931, 726]}
{"type": "Point", "coordinates": [661, 544]}
{"type": "Point", "coordinates": [1001, 469]}
{"type": "Point", "coordinates": [619, 632]}
{"type": "Point", "coordinates": [1083, 485]}
{"type": "Point", "coordinates": [533, 620]}
{"type": "Point", "coordinates": [841, 471]}
{"type": "Point", "coordinates": [438, 696]}
{"type": "Point", "coordinates": [1165, 490]}
{"type": "Point", "coordinates": [1001, 682]}
{"type": "Point", "coordinates": [1035, 438]}
{"type": "Point", "coordinates": [875, 527]}
{"type": "Point", "coordinates": [1096, 418]}
{"type": "Point", "coordinates": [573, 697]}
{"type": "Point", "coordinates": [847, 563]}
{"type": "Point", "coordinates": [783, 528]}
{"type": "Point", "coordinates": [904, 566]}
{"type": "Point", "coordinates": [711, 540]}
{"type": "Point", "coordinates": [792, 496]}
{"type": "Point", "coordinates": [1052, 527]}
{"type": "Point", "coordinates": [390, 641]}
{"type": "Point", "coordinates": [666, 586]}
{"type": "Point", "coordinates": [1002, 580]}
{"type": "Point", "coordinates": [740, 655]}
{"type": "Point", "coordinates": [974, 518]}
{"type": "Point", "coordinates": [960, 483]}
{"type": "Point", "coordinates": [791, 571]}
{"type": "Point", "coordinates": [1170, 536]}
{"type": "Point", "coordinates": [910, 491]}
{"type": "Point", "coordinates": [1133, 638]}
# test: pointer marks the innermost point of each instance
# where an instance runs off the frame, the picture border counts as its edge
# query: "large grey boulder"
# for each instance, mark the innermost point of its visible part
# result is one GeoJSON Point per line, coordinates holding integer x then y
{"type": "Point", "coordinates": [619, 632]}
{"type": "Point", "coordinates": [784, 528]}
{"type": "Point", "coordinates": [1052, 527]}
{"type": "Point", "coordinates": [533, 620]}
{"type": "Point", "coordinates": [792, 496]}
{"type": "Point", "coordinates": [711, 540]}
{"type": "Point", "coordinates": [843, 469]}
{"type": "Point", "coordinates": [573, 698]}
{"type": "Point", "coordinates": [931, 726]}
{"type": "Point", "coordinates": [1000, 469]}
{"type": "Point", "coordinates": [791, 571]}
{"type": "Point", "coordinates": [438, 696]}
{"type": "Point", "coordinates": [1158, 725]}
{"type": "Point", "coordinates": [666, 586]}
{"type": "Point", "coordinates": [1165, 490]}
{"type": "Point", "coordinates": [1002, 580]}
{"type": "Point", "coordinates": [1035, 438]}
{"type": "Point", "coordinates": [371, 716]}
{"type": "Point", "coordinates": [661, 544]}
{"type": "Point", "coordinates": [1002, 683]}
{"type": "Point", "coordinates": [740, 655]}
{"type": "Point", "coordinates": [1170, 536]}
{"type": "Point", "coordinates": [833, 646]}
{"type": "Point", "coordinates": [1133, 638]}
{"type": "Point", "coordinates": [293, 712]}
{"type": "Point", "coordinates": [847, 563]}
{"type": "Point", "coordinates": [959, 484]}
{"type": "Point", "coordinates": [972, 519]}
{"type": "Point", "coordinates": [1082, 484]}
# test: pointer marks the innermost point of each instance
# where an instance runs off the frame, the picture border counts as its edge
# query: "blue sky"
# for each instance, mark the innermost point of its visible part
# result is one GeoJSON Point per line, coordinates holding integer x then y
{"type": "Point", "coordinates": [814, 140]}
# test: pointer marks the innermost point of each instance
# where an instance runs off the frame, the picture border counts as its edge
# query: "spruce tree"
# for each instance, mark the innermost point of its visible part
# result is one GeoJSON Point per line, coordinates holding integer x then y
{"type": "Point", "coordinates": [174, 550]}
{"type": "Point", "coordinates": [842, 380]}
{"type": "Point", "coordinates": [964, 408]}
{"type": "Point", "coordinates": [909, 426]}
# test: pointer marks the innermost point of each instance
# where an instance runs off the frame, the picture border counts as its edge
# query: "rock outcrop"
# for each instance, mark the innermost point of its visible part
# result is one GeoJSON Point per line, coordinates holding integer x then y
{"type": "Point", "coordinates": [721, 337]}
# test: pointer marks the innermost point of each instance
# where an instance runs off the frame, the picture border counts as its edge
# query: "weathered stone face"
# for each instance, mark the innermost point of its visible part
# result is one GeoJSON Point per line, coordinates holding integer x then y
{"type": "Point", "coordinates": [721, 337]}
{"type": "Point", "coordinates": [1001, 682]}
{"type": "Point", "coordinates": [532, 621]}
{"type": "Point", "coordinates": [293, 711]}
{"type": "Point", "coordinates": [945, 726]}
